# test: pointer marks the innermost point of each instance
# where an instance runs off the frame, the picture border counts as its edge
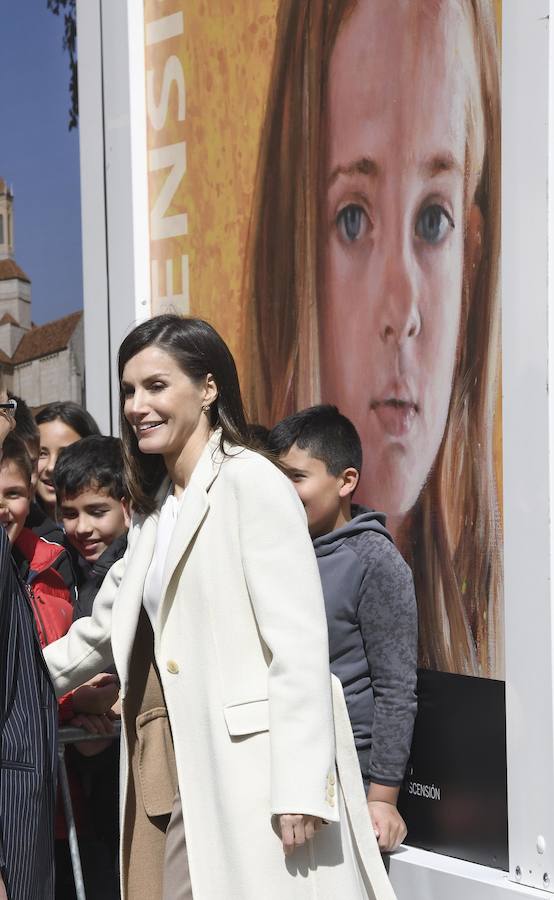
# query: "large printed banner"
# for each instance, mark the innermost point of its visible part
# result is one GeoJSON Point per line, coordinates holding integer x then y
{"type": "Point", "coordinates": [324, 182]}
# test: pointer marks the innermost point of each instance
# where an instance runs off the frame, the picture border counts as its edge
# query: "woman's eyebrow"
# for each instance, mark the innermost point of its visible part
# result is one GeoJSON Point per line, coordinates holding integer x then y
{"type": "Point", "coordinates": [363, 166]}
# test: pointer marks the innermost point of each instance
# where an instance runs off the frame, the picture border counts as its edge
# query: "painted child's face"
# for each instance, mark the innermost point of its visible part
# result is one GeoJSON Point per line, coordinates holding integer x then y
{"type": "Point", "coordinates": [15, 499]}
{"type": "Point", "coordinates": [394, 249]}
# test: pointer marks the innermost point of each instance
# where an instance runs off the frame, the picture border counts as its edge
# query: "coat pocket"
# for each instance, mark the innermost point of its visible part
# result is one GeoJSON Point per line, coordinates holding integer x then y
{"type": "Point", "coordinates": [247, 718]}
{"type": "Point", "coordinates": [17, 766]}
{"type": "Point", "coordinates": [156, 762]}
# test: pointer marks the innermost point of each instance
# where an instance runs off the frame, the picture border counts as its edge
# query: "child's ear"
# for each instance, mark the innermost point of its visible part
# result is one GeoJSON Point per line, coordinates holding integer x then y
{"type": "Point", "coordinates": [126, 512]}
{"type": "Point", "coordinates": [474, 243]}
{"type": "Point", "coordinates": [349, 478]}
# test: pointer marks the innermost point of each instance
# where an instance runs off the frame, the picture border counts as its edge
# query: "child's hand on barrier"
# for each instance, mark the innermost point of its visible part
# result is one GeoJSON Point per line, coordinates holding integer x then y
{"type": "Point", "coordinates": [96, 725]}
{"type": "Point", "coordinates": [389, 826]}
{"type": "Point", "coordinates": [96, 696]}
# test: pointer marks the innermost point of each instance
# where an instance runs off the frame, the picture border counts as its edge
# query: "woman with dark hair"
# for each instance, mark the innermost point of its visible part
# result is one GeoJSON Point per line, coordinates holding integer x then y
{"type": "Point", "coordinates": [60, 424]}
{"type": "Point", "coordinates": [216, 623]}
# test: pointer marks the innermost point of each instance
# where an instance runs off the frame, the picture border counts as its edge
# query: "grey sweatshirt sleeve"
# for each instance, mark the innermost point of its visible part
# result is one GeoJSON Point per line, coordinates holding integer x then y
{"type": "Point", "coordinates": [387, 616]}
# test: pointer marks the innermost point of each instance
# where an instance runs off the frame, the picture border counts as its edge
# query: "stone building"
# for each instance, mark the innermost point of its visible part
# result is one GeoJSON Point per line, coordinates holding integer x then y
{"type": "Point", "coordinates": [40, 363]}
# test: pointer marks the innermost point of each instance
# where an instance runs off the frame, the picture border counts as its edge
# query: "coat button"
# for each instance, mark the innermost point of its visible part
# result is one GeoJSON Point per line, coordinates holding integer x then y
{"type": "Point", "coordinates": [330, 791]}
{"type": "Point", "coordinates": [172, 667]}
{"type": "Point", "coordinates": [332, 778]}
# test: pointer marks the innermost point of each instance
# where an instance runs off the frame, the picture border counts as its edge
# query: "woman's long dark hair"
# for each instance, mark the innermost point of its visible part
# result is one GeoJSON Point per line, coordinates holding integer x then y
{"type": "Point", "coordinates": [198, 350]}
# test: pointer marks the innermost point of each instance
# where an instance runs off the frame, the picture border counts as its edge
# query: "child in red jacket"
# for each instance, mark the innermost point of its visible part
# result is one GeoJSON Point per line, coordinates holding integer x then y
{"type": "Point", "coordinates": [41, 564]}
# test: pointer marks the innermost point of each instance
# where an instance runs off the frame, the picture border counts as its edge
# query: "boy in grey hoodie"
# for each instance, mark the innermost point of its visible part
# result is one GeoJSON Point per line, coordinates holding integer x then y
{"type": "Point", "coordinates": [369, 601]}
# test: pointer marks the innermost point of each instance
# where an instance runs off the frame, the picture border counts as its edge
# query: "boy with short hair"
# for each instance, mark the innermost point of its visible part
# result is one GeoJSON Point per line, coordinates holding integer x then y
{"type": "Point", "coordinates": [41, 563]}
{"type": "Point", "coordinates": [94, 508]}
{"type": "Point", "coordinates": [93, 505]}
{"type": "Point", "coordinates": [369, 600]}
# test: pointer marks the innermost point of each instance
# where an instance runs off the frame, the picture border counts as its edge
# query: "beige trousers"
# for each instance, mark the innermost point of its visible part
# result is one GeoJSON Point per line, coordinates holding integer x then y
{"type": "Point", "coordinates": [176, 878]}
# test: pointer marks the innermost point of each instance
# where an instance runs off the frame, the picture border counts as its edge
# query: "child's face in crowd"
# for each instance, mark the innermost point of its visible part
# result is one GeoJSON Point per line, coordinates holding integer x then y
{"type": "Point", "coordinates": [319, 491]}
{"type": "Point", "coordinates": [92, 520]}
{"type": "Point", "coordinates": [54, 436]}
{"type": "Point", "coordinates": [396, 221]}
{"type": "Point", "coordinates": [33, 450]}
{"type": "Point", "coordinates": [15, 499]}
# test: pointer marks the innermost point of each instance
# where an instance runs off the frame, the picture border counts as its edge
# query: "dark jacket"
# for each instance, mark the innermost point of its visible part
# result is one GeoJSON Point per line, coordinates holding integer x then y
{"type": "Point", "coordinates": [89, 585]}
{"type": "Point", "coordinates": [28, 751]}
{"type": "Point", "coordinates": [372, 619]}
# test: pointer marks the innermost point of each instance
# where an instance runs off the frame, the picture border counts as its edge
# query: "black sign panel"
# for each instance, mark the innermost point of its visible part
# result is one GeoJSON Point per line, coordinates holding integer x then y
{"type": "Point", "coordinates": [454, 798]}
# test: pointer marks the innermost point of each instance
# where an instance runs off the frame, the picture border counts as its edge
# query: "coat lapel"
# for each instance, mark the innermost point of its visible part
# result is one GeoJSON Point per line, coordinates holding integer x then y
{"type": "Point", "coordinates": [193, 508]}
{"type": "Point", "coordinates": [129, 601]}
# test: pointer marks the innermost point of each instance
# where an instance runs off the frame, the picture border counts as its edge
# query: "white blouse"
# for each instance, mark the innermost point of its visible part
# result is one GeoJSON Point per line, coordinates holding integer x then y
{"type": "Point", "coordinates": [152, 592]}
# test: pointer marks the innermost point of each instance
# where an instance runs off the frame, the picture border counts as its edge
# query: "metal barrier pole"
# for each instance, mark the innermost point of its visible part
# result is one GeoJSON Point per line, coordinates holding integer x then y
{"type": "Point", "coordinates": [71, 735]}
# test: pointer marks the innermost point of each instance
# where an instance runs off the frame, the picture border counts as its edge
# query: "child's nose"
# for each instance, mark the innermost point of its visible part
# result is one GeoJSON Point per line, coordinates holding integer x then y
{"type": "Point", "coordinates": [83, 526]}
{"type": "Point", "coordinates": [400, 317]}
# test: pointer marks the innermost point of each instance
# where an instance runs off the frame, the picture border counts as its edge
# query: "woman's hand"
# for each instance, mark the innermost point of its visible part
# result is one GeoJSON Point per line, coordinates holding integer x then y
{"type": "Point", "coordinates": [296, 830]}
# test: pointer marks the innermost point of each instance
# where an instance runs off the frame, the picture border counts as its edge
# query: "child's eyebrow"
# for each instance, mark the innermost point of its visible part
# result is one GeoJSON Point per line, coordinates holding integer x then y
{"type": "Point", "coordinates": [363, 166]}
{"type": "Point", "coordinates": [441, 162]}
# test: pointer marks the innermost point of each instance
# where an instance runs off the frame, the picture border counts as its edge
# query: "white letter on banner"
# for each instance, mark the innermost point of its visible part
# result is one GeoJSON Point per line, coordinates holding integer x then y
{"type": "Point", "coordinates": [173, 72]}
{"type": "Point", "coordinates": [182, 300]}
{"type": "Point", "coordinates": [173, 156]}
{"type": "Point", "coordinates": [164, 29]}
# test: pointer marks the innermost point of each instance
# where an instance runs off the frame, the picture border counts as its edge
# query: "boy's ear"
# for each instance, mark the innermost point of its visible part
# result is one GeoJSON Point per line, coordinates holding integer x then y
{"type": "Point", "coordinates": [126, 512]}
{"type": "Point", "coordinates": [349, 478]}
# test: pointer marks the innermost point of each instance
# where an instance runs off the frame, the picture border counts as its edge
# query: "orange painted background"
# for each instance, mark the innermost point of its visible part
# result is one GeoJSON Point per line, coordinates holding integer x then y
{"type": "Point", "coordinates": [225, 51]}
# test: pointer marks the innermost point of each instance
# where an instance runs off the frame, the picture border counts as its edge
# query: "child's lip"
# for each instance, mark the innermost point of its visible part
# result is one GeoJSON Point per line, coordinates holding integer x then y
{"type": "Point", "coordinates": [87, 546]}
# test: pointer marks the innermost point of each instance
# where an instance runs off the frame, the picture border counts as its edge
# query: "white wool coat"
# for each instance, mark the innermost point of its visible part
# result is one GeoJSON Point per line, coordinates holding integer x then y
{"type": "Point", "coordinates": [242, 650]}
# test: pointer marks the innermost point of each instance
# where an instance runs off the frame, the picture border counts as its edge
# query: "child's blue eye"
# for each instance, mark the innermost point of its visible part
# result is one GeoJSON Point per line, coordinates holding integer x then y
{"type": "Point", "coordinates": [350, 222]}
{"type": "Point", "coordinates": [433, 223]}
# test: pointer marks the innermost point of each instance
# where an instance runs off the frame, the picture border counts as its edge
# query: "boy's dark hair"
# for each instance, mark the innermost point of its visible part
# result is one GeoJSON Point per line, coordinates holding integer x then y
{"type": "Point", "coordinates": [71, 414]}
{"type": "Point", "coordinates": [259, 435]}
{"type": "Point", "coordinates": [14, 450]}
{"type": "Point", "coordinates": [325, 433]}
{"type": "Point", "coordinates": [95, 462]}
{"type": "Point", "coordinates": [25, 426]}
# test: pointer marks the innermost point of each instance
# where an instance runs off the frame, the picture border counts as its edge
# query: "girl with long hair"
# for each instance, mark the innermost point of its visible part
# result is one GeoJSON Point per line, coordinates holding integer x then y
{"type": "Point", "coordinates": [372, 281]}
{"type": "Point", "coordinates": [215, 621]}
{"type": "Point", "coordinates": [60, 424]}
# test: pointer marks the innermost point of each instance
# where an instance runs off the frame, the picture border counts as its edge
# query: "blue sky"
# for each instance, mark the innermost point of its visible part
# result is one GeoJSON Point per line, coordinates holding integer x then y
{"type": "Point", "coordinates": [39, 156]}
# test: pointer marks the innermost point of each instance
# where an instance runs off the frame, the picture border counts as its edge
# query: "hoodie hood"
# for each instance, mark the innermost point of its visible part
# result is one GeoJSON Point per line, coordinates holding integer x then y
{"type": "Point", "coordinates": [110, 556]}
{"type": "Point", "coordinates": [363, 519]}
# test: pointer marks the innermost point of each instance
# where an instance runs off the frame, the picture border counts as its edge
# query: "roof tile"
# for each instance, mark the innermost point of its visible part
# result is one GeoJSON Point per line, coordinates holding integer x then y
{"type": "Point", "coordinates": [9, 269]}
{"type": "Point", "coordinates": [46, 339]}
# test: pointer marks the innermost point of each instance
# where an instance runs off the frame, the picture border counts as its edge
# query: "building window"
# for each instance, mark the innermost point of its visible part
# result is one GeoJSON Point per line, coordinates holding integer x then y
{"type": "Point", "coordinates": [1, 229]}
